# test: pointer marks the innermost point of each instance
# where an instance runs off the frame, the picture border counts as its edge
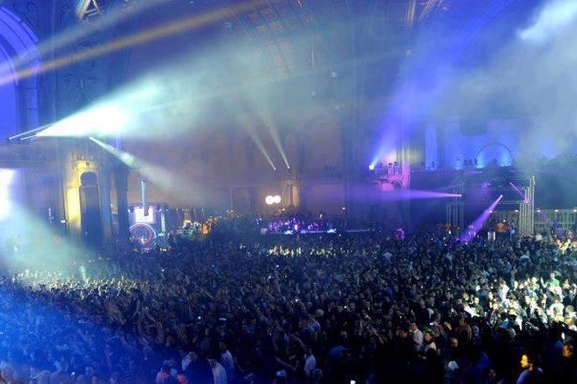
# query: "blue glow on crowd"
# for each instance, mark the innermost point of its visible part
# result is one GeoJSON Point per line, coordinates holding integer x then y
{"type": "Point", "coordinates": [330, 308]}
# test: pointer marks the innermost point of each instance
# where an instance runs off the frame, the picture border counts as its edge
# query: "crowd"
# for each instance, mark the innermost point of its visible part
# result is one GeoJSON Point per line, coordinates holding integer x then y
{"type": "Point", "coordinates": [284, 221]}
{"type": "Point", "coordinates": [364, 308]}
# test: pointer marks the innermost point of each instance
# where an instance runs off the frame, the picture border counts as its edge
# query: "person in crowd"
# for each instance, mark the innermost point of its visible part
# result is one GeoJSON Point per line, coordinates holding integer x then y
{"type": "Point", "coordinates": [310, 366]}
{"type": "Point", "coordinates": [428, 342]}
{"type": "Point", "coordinates": [416, 335]}
{"type": "Point", "coordinates": [495, 377]}
{"type": "Point", "coordinates": [568, 364]}
{"type": "Point", "coordinates": [531, 372]}
{"type": "Point", "coordinates": [227, 361]}
{"type": "Point", "coordinates": [198, 368]}
{"type": "Point", "coordinates": [182, 378]}
{"type": "Point", "coordinates": [164, 376]}
{"type": "Point", "coordinates": [218, 371]}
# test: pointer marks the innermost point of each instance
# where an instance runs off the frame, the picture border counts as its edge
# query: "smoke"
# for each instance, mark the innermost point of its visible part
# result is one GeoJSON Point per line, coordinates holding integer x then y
{"type": "Point", "coordinates": [554, 18]}
{"type": "Point", "coordinates": [530, 76]}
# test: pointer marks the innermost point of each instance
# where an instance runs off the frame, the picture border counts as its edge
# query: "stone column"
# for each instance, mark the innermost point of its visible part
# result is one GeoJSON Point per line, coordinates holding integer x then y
{"type": "Point", "coordinates": [120, 174]}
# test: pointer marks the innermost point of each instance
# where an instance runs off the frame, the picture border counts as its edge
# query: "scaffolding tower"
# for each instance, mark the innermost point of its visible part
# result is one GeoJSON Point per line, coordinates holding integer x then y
{"type": "Point", "coordinates": [455, 211]}
{"type": "Point", "coordinates": [527, 210]}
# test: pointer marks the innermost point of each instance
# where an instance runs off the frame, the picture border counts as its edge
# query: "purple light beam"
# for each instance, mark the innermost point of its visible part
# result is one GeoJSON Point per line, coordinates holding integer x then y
{"type": "Point", "coordinates": [413, 194]}
{"type": "Point", "coordinates": [472, 229]}
{"type": "Point", "coordinates": [519, 192]}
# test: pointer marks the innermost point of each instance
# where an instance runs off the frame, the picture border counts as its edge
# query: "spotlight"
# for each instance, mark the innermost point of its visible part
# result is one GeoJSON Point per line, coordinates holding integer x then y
{"type": "Point", "coordinates": [271, 200]}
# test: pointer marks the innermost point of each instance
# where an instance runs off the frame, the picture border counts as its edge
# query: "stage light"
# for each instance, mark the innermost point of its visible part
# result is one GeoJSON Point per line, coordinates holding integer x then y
{"type": "Point", "coordinates": [101, 120]}
{"type": "Point", "coordinates": [272, 199]}
{"type": "Point", "coordinates": [178, 97]}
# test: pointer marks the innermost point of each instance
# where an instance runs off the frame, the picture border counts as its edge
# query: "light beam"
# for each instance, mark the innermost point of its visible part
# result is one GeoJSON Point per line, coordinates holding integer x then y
{"type": "Point", "coordinates": [157, 175]}
{"type": "Point", "coordinates": [414, 194]}
{"type": "Point", "coordinates": [256, 140]}
{"type": "Point", "coordinates": [179, 26]}
{"type": "Point", "coordinates": [471, 231]}
{"type": "Point", "coordinates": [276, 139]}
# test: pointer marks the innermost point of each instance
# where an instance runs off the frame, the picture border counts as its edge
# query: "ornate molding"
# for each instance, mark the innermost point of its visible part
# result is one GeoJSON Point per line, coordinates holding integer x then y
{"type": "Point", "coordinates": [29, 11]}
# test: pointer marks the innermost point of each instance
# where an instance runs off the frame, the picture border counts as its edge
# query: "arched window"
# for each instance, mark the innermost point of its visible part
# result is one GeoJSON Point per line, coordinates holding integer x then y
{"type": "Point", "coordinates": [18, 96]}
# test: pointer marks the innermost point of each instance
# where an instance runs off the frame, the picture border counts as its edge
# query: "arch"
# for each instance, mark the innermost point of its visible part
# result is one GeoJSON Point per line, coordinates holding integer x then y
{"type": "Point", "coordinates": [88, 179]}
{"type": "Point", "coordinates": [18, 97]}
{"type": "Point", "coordinates": [494, 144]}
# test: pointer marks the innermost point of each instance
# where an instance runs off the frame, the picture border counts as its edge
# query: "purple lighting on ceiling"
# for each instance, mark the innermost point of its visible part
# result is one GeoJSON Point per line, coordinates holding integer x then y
{"type": "Point", "coordinates": [472, 230]}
